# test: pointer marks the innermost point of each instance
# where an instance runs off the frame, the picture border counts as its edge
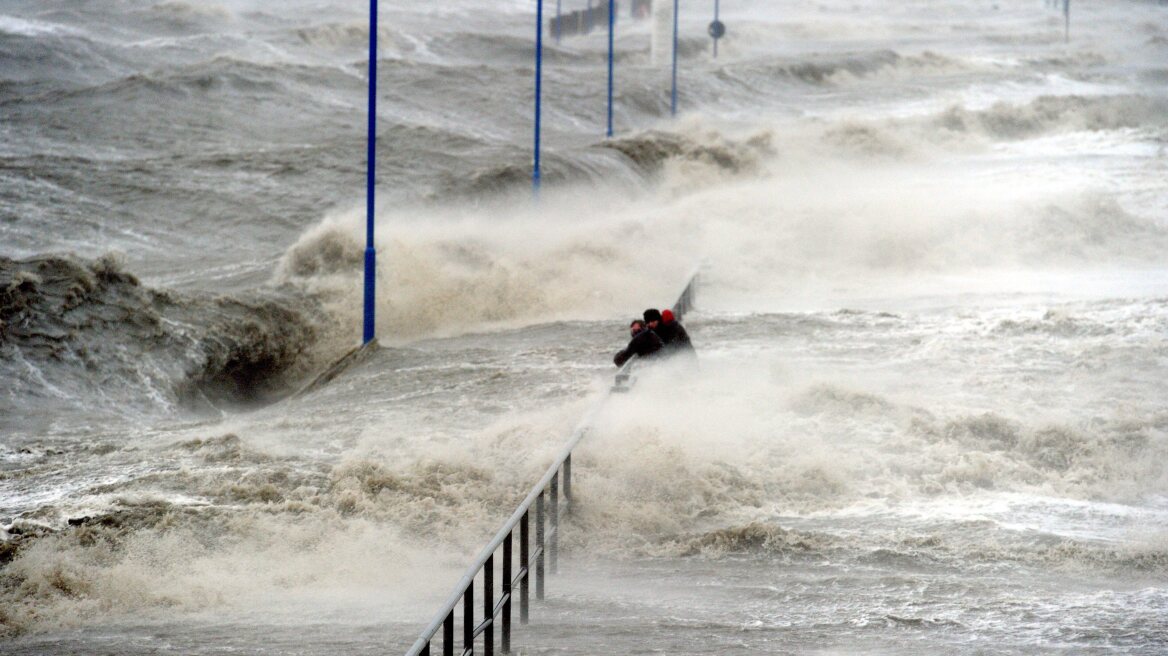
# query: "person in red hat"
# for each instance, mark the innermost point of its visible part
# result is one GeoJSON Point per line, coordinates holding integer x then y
{"type": "Point", "coordinates": [672, 334]}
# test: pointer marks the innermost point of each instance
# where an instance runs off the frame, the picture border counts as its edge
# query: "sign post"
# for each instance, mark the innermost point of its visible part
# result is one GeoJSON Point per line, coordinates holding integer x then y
{"type": "Point", "coordinates": [717, 29]}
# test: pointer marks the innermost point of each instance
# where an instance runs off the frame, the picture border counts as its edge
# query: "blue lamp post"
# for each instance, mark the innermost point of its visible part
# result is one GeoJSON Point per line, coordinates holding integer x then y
{"type": "Point", "coordinates": [611, 33]}
{"type": "Point", "coordinates": [371, 158]}
{"type": "Point", "coordinates": [538, 90]}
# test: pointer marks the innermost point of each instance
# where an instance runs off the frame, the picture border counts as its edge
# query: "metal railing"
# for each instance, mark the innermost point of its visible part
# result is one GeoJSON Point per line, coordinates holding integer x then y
{"type": "Point", "coordinates": [685, 300]}
{"type": "Point", "coordinates": [545, 496]}
{"type": "Point", "coordinates": [551, 497]}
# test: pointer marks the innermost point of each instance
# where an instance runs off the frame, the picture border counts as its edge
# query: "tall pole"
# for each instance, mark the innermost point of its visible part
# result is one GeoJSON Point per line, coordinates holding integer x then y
{"type": "Point", "coordinates": [673, 95]}
{"type": "Point", "coordinates": [370, 177]}
{"type": "Point", "coordinates": [611, 32]}
{"type": "Point", "coordinates": [538, 90]}
{"type": "Point", "coordinates": [716, 3]}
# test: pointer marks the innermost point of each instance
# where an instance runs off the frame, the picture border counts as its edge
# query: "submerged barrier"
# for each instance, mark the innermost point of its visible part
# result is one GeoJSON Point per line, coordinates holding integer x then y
{"type": "Point", "coordinates": [584, 21]}
{"type": "Point", "coordinates": [552, 498]}
{"type": "Point", "coordinates": [1065, 7]}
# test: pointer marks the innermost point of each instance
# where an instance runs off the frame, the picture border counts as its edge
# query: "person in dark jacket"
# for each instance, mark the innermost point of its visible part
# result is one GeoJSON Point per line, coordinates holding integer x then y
{"type": "Point", "coordinates": [673, 334]}
{"type": "Point", "coordinates": [644, 343]}
{"type": "Point", "coordinates": [652, 319]}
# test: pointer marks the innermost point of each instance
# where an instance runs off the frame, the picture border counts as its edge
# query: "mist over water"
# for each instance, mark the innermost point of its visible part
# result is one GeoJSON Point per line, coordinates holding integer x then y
{"type": "Point", "coordinates": [929, 414]}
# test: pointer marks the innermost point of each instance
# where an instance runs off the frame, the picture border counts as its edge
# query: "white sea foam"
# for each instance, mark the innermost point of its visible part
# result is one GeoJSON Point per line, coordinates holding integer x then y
{"type": "Point", "coordinates": [34, 28]}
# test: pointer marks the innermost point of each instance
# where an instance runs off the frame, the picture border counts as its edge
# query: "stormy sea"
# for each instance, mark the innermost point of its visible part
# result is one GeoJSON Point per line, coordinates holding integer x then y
{"type": "Point", "coordinates": [930, 411]}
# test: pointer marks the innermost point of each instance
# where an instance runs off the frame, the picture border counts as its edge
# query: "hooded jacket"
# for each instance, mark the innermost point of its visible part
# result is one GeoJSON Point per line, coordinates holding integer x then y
{"type": "Point", "coordinates": [673, 335]}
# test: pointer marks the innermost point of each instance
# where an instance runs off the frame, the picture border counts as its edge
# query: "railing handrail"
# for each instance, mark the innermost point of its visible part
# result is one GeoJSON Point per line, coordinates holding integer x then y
{"type": "Point", "coordinates": [463, 590]}
{"type": "Point", "coordinates": [508, 528]}
{"type": "Point", "coordinates": [685, 299]}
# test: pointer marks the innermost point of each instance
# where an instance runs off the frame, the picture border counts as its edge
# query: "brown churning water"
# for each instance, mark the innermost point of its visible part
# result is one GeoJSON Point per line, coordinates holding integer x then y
{"type": "Point", "coordinates": [929, 415]}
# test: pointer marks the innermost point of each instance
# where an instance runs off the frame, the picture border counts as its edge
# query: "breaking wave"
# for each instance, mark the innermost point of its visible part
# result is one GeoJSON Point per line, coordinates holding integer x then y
{"type": "Point", "coordinates": [69, 325]}
{"type": "Point", "coordinates": [1054, 323]}
{"type": "Point", "coordinates": [13, 26]}
{"type": "Point", "coordinates": [651, 151]}
{"type": "Point", "coordinates": [1049, 114]}
{"type": "Point", "coordinates": [828, 70]}
{"type": "Point", "coordinates": [754, 538]}
{"type": "Point", "coordinates": [186, 13]}
{"type": "Point", "coordinates": [229, 77]}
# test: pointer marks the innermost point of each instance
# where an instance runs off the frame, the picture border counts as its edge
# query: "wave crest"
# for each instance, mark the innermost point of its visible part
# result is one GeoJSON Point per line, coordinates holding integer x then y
{"type": "Point", "coordinates": [1048, 114]}
{"type": "Point", "coordinates": [69, 323]}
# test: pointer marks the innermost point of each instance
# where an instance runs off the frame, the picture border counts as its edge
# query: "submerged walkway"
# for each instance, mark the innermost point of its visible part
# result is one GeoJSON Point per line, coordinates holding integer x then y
{"type": "Point", "coordinates": [551, 499]}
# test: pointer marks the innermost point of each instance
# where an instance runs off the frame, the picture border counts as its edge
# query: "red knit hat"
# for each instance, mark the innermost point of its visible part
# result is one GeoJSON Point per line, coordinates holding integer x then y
{"type": "Point", "coordinates": [667, 316]}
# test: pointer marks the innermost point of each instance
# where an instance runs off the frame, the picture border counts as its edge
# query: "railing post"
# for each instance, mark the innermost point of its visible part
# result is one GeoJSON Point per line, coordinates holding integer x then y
{"type": "Point", "coordinates": [525, 564]}
{"type": "Point", "coordinates": [489, 605]}
{"type": "Point", "coordinates": [507, 593]}
{"type": "Point", "coordinates": [539, 546]}
{"type": "Point", "coordinates": [448, 635]}
{"type": "Point", "coordinates": [468, 618]}
{"type": "Point", "coordinates": [554, 512]}
{"type": "Point", "coordinates": [568, 481]}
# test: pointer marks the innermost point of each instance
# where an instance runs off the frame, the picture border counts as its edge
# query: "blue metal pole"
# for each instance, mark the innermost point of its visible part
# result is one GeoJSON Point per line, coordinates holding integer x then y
{"type": "Point", "coordinates": [370, 177]}
{"type": "Point", "coordinates": [611, 32]}
{"type": "Point", "coordinates": [673, 101]}
{"type": "Point", "coordinates": [538, 91]}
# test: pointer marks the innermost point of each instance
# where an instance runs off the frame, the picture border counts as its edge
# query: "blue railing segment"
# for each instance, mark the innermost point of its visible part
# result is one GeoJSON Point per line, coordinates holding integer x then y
{"type": "Point", "coordinates": [688, 296]}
